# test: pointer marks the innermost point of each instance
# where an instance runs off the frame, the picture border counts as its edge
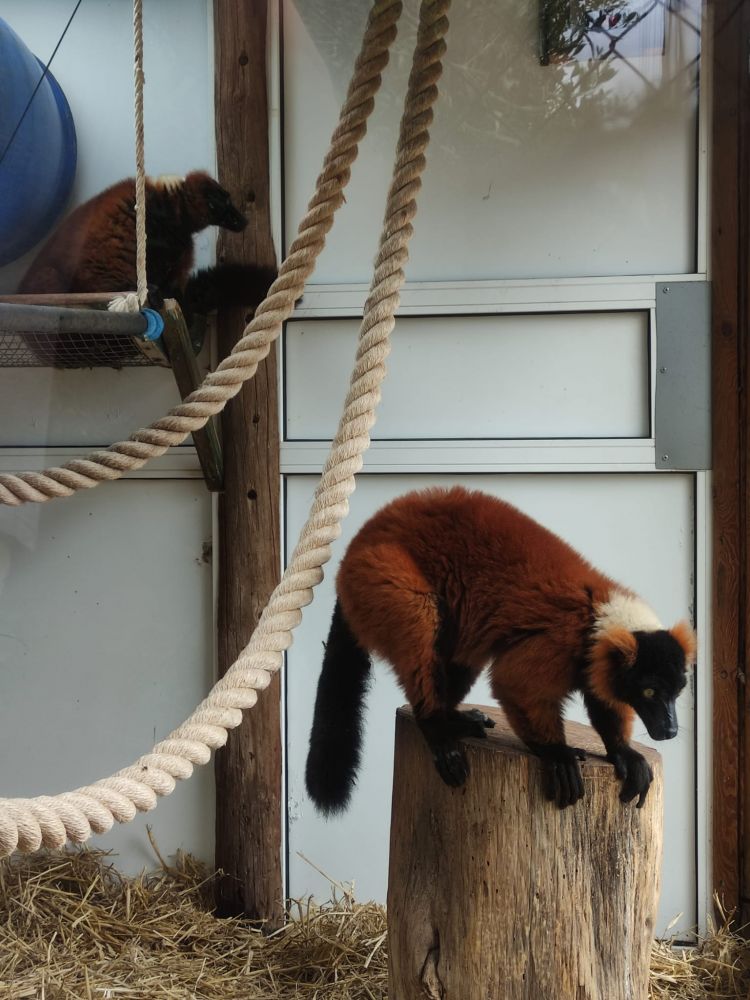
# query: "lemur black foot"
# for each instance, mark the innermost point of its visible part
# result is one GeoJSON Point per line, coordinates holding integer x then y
{"type": "Point", "coordinates": [451, 764]}
{"type": "Point", "coordinates": [469, 722]}
{"type": "Point", "coordinates": [634, 772]}
{"type": "Point", "coordinates": [476, 715]}
{"type": "Point", "coordinates": [441, 733]}
{"type": "Point", "coordinates": [155, 297]}
{"type": "Point", "coordinates": [563, 781]}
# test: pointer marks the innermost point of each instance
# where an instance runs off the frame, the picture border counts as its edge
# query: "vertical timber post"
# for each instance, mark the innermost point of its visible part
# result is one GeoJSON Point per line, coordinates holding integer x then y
{"type": "Point", "coordinates": [248, 769]}
{"type": "Point", "coordinates": [730, 233]}
{"type": "Point", "coordinates": [743, 332]}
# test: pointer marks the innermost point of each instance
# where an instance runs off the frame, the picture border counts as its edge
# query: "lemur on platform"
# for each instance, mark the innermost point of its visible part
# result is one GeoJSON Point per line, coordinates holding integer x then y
{"type": "Point", "coordinates": [94, 249]}
{"type": "Point", "coordinates": [440, 584]}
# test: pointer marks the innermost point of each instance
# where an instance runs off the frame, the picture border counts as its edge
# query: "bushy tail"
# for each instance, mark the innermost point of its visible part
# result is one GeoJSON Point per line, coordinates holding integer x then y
{"type": "Point", "coordinates": [336, 737]}
{"type": "Point", "coordinates": [227, 285]}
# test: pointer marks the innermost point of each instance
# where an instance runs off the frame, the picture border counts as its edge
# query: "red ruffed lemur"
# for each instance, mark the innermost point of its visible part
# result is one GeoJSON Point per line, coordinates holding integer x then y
{"type": "Point", "coordinates": [441, 583]}
{"type": "Point", "coordinates": [94, 249]}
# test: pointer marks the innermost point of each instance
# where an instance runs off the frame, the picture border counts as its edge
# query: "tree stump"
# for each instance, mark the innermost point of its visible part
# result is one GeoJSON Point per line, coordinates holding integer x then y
{"type": "Point", "coordinates": [495, 894]}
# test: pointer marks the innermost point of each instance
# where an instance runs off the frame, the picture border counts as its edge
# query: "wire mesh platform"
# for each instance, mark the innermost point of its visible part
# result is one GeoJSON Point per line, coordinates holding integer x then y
{"type": "Point", "coordinates": [53, 335]}
{"type": "Point", "coordinates": [43, 330]}
{"type": "Point", "coordinates": [34, 350]}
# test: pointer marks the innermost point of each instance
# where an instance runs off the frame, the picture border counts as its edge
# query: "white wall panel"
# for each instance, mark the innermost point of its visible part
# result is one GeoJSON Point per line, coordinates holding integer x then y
{"type": "Point", "coordinates": [534, 376]}
{"type": "Point", "coordinates": [105, 646]}
{"type": "Point", "coordinates": [46, 406]}
{"type": "Point", "coordinates": [638, 528]}
{"type": "Point", "coordinates": [533, 171]}
{"type": "Point", "coordinates": [106, 598]}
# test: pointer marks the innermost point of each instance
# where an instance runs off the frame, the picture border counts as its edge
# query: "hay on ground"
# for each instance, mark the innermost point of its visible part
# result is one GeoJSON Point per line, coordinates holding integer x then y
{"type": "Point", "coordinates": [717, 968]}
{"type": "Point", "coordinates": [73, 928]}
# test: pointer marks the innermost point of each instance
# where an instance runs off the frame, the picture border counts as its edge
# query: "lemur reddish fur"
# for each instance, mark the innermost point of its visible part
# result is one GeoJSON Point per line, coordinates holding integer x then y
{"type": "Point", "coordinates": [94, 249]}
{"type": "Point", "coordinates": [442, 583]}
{"type": "Point", "coordinates": [508, 579]}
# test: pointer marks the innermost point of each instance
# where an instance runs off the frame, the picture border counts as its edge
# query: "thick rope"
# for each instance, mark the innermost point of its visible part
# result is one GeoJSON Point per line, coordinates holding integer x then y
{"type": "Point", "coordinates": [134, 301]}
{"type": "Point", "coordinates": [27, 824]}
{"type": "Point", "coordinates": [223, 384]}
{"type": "Point", "coordinates": [140, 164]}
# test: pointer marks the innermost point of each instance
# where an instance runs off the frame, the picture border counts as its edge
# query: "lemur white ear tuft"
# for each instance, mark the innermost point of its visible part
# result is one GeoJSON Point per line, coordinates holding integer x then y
{"type": "Point", "coordinates": [169, 182]}
{"type": "Point", "coordinates": [683, 632]}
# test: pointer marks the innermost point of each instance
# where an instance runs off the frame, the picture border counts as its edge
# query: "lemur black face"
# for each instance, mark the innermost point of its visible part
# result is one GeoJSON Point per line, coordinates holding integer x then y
{"type": "Point", "coordinates": [221, 211]}
{"type": "Point", "coordinates": [654, 682]}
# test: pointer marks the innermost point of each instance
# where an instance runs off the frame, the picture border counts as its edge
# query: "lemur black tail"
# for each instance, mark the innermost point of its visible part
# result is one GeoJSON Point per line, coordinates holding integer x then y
{"type": "Point", "coordinates": [227, 285]}
{"type": "Point", "coordinates": [336, 737]}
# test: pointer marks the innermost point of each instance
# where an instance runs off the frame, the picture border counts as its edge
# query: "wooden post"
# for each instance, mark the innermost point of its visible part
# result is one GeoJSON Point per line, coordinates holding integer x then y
{"type": "Point", "coordinates": [730, 277]}
{"type": "Point", "coordinates": [248, 769]}
{"type": "Point", "coordinates": [494, 894]}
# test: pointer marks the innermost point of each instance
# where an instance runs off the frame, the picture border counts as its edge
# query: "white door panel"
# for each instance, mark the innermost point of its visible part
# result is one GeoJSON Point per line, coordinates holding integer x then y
{"type": "Point", "coordinates": [637, 528]}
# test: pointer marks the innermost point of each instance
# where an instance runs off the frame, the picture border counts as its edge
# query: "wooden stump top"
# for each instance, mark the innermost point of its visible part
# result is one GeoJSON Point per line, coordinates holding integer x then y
{"type": "Point", "coordinates": [502, 739]}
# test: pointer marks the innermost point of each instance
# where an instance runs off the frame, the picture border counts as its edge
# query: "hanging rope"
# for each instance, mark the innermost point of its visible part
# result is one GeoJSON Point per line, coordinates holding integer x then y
{"type": "Point", "coordinates": [48, 821]}
{"type": "Point", "coordinates": [140, 164]}
{"type": "Point", "coordinates": [134, 301]}
{"type": "Point", "coordinates": [223, 384]}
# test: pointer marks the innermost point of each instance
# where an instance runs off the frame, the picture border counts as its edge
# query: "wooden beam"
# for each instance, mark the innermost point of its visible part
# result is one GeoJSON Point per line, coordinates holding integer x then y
{"type": "Point", "coordinates": [90, 299]}
{"type": "Point", "coordinates": [248, 769]}
{"type": "Point", "coordinates": [742, 222]}
{"type": "Point", "coordinates": [731, 601]}
{"type": "Point", "coordinates": [187, 375]}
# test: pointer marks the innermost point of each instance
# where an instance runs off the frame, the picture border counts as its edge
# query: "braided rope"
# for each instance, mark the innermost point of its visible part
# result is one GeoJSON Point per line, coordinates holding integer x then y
{"type": "Point", "coordinates": [226, 381]}
{"type": "Point", "coordinates": [140, 165]}
{"type": "Point", "coordinates": [27, 824]}
{"type": "Point", "coordinates": [135, 301]}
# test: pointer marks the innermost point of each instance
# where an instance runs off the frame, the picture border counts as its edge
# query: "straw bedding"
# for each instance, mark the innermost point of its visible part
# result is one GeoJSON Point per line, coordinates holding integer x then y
{"type": "Point", "coordinates": [72, 927]}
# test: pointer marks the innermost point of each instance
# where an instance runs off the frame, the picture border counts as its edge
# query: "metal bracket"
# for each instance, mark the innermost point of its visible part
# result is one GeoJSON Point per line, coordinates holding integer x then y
{"type": "Point", "coordinates": [682, 430]}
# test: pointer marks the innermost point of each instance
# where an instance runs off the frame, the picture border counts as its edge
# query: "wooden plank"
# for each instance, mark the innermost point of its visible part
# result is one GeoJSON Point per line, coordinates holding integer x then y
{"type": "Point", "coordinates": [729, 413]}
{"type": "Point", "coordinates": [184, 365]}
{"type": "Point", "coordinates": [248, 769]}
{"type": "Point", "coordinates": [62, 299]}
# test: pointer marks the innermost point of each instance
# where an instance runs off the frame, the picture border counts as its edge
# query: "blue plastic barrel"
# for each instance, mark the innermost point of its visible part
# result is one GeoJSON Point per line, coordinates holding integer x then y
{"type": "Point", "coordinates": [38, 169]}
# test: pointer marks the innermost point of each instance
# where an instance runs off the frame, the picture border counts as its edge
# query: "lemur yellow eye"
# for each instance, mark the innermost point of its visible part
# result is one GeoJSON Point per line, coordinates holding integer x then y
{"type": "Point", "coordinates": [648, 692]}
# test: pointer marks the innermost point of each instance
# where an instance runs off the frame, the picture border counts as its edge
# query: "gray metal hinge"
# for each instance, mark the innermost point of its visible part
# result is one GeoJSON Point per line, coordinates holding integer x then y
{"type": "Point", "coordinates": [683, 375]}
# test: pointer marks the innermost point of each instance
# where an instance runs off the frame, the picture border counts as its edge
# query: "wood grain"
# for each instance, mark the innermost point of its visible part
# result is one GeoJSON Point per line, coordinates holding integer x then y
{"type": "Point", "coordinates": [69, 299]}
{"type": "Point", "coordinates": [494, 894]}
{"type": "Point", "coordinates": [743, 366]}
{"type": "Point", "coordinates": [248, 769]}
{"type": "Point", "coordinates": [729, 408]}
